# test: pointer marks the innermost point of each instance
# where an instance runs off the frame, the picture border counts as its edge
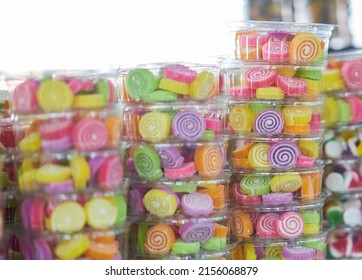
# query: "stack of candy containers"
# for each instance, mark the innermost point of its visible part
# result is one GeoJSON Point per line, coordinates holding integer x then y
{"type": "Point", "coordinates": [275, 148]}
{"type": "Point", "coordinates": [68, 156]}
{"type": "Point", "coordinates": [342, 86]}
{"type": "Point", "coordinates": [176, 155]}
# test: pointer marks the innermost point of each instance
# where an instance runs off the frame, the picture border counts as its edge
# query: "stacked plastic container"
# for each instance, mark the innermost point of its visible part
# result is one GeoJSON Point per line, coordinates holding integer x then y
{"type": "Point", "coordinates": [342, 85]}
{"type": "Point", "coordinates": [176, 156]}
{"type": "Point", "coordinates": [68, 156]}
{"type": "Point", "coordinates": [275, 150]}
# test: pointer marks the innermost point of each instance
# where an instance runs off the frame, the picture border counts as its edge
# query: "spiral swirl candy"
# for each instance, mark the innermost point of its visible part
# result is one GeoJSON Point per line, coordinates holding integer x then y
{"type": "Point", "coordinates": [241, 224]}
{"type": "Point", "coordinates": [202, 86]}
{"type": "Point", "coordinates": [286, 182]}
{"type": "Point", "coordinates": [273, 251]}
{"type": "Point", "coordinates": [297, 115]}
{"type": "Point", "coordinates": [290, 225]}
{"type": "Point", "coordinates": [159, 239]}
{"type": "Point", "coordinates": [170, 157]}
{"type": "Point", "coordinates": [208, 160]}
{"type": "Point", "coordinates": [155, 126]}
{"type": "Point", "coordinates": [266, 226]}
{"type": "Point", "coordinates": [147, 163]}
{"type": "Point", "coordinates": [352, 74]}
{"type": "Point", "coordinates": [188, 125]}
{"type": "Point", "coordinates": [197, 204]}
{"type": "Point", "coordinates": [241, 119]}
{"type": "Point", "coordinates": [304, 48]}
{"type": "Point", "coordinates": [260, 77]}
{"type": "Point", "coordinates": [298, 253]}
{"type": "Point", "coordinates": [283, 154]}
{"type": "Point", "coordinates": [160, 203]}
{"type": "Point", "coordinates": [90, 135]}
{"type": "Point", "coordinates": [258, 156]}
{"type": "Point", "coordinates": [255, 185]}
{"type": "Point", "coordinates": [276, 50]}
{"type": "Point", "coordinates": [140, 81]}
{"type": "Point", "coordinates": [292, 86]}
{"type": "Point", "coordinates": [197, 231]}
{"type": "Point", "coordinates": [269, 122]}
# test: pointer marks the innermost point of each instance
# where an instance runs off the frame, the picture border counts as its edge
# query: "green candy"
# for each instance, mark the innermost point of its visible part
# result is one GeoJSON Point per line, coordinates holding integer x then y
{"type": "Point", "coordinates": [147, 163]}
{"type": "Point", "coordinates": [208, 135]}
{"type": "Point", "coordinates": [139, 82]}
{"type": "Point", "coordinates": [181, 247]}
{"type": "Point", "coordinates": [142, 237]}
{"type": "Point", "coordinates": [257, 108]}
{"type": "Point", "coordinates": [172, 113]}
{"type": "Point", "coordinates": [311, 74]}
{"type": "Point", "coordinates": [318, 245]}
{"type": "Point", "coordinates": [344, 111]}
{"type": "Point", "coordinates": [121, 205]}
{"type": "Point", "coordinates": [255, 185]}
{"type": "Point", "coordinates": [214, 243]}
{"type": "Point", "coordinates": [5, 180]}
{"type": "Point", "coordinates": [159, 96]}
{"type": "Point", "coordinates": [334, 216]}
{"type": "Point", "coordinates": [184, 189]}
{"type": "Point", "coordinates": [102, 88]}
{"type": "Point", "coordinates": [311, 217]}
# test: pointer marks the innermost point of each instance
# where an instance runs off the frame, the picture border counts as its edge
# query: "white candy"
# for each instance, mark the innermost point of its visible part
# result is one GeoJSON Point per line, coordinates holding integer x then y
{"type": "Point", "coordinates": [334, 182]}
{"type": "Point", "coordinates": [333, 149]}
{"type": "Point", "coordinates": [355, 202]}
{"type": "Point", "coordinates": [352, 145]}
{"type": "Point", "coordinates": [352, 216]}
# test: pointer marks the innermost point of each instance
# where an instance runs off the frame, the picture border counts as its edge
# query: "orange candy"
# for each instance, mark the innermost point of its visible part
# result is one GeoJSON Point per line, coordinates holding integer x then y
{"type": "Point", "coordinates": [220, 231]}
{"type": "Point", "coordinates": [208, 161]}
{"type": "Point", "coordinates": [241, 224]}
{"type": "Point", "coordinates": [297, 129]}
{"type": "Point", "coordinates": [238, 253]}
{"type": "Point", "coordinates": [242, 152]}
{"type": "Point", "coordinates": [34, 126]}
{"type": "Point", "coordinates": [131, 126]}
{"type": "Point", "coordinates": [160, 239]}
{"type": "Point", "coordinates": [304, 48]}
{"type": "Point", "coordinates": [311, 187]}
{"type": "Point", "coordinates": [102, 251]}
{"type": "Point", "coordinates": [113, 126]}
{"type": "Point", "coordinates": [241, 163]}
{"type": "Point", "coordinates": [217, 194]}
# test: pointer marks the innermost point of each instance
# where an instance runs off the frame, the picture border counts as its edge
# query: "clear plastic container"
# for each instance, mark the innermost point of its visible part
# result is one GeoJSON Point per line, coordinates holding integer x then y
{"type": "Point", "coordinates": [343, 72]}
{"type": "Point", "coordinates": [189, 238]}
{"type": "Point", "coordinates": [345, 243]}
{"type": "Point", "coordinates": [177, 121]}
{"type": "Point", "coordinates": [85, 130]}
{"type": "Point", "coordinates": [281, 42]}
{"type": "Point", "coordinates": [284, 221]}
{"type": "Point", "coordinates": [59, 91]}
{"type": "Point", "coordinates": [274, 117]}
{"type": "Point", "coordinates": [277, 187]}
{"type": "Point", "coordinates": [306, 248]}
{"type": "Point", "coordinates": [165, 82]}
{"type": "Point", "coordinates": [71, 171]}
{"type": "Point", "coordinates": [88, 245]}
{"type": "Point", "coordinates": [198, 198]}
{"type": "Point", "coordinates": [73, 212]}
{"type": "Point", "coordinates": [263, 153]}
{"type": "Point", "coordinates": [176, 161]}
{"type": "Point", "coordinates": [270, 81]}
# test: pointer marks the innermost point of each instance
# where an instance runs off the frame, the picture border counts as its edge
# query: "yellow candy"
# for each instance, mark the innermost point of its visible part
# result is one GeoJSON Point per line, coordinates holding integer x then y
{"type": "Point", "coordinates": [155, 126]}
{"type": "Point", "coordinates": [297, 115]}
{"type": "Point", "coordinates": [332, 80]}
{"type": "Point", "coordinates": [27, 165]}
{"type": "Point", "coordinates": [314, 86]}
{"type": "Point", "coordinates": [273, 251]}
{"type": "Point", "coordinates": [258, 156]}
{"type": "Point", "coordinates": [53, 173]}
{"type": "Point", "coordinates": [311, 228]}
{"type": "Point", "coordinates": [359, 149]}
{"type": "Point", "coordinates": [309, 148]}
{"type": "Point", "coordinates": [241, 119]}
{"type": "Point", "coordinates": [273, 93]}
{"type": "Point", "coordinates": [27, 180]}
{"type": "Point", "coordinates": [88, 101]}
{"type": "Point", "coordinates": [290, 72]}
{"type": "Point", "coordinates": [174, 86]}
{"type": "Point", "coordinates": [330, 111]}
{"type": "Point", "coordinates": [54, 95]}
{"type": "Point", "coordinates": [160, 203]}
{"type": "Point", "coordinates": [80, 170]}
{"type": "Point", "coordinates": [286, 183]}
{"type": "Point", "coordinates": [73, 248]}
{"type": "Point", "coordinates": [100, 213]}
{"type": "Point", "coordinates": [67, 217]}
{"type": "Point", "coordinates": [202, 86]}
{"type": "Point", "coordinates": [249, 252]}
{"type": "Point", "coordinates": [31, 143]}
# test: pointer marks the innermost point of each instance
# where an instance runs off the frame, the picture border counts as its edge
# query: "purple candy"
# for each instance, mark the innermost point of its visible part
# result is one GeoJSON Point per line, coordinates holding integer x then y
{"type": "Point", "coordinates": [276, 198]}
{"type": "Point", "coordinates": [27, 249]}
{"type": "Point", "coordinates": [269, 122]}
{"type": "Point", "coordinates": [283, 154]}
{"type": "Point", "coordinates": [135, 205]}
{"type": "Point", "coordinates": [197, 204]}
{"type": "Point", "coordinates": [259, 251]}
{"type": "Point", "coordinates": [298, 253]}
{"type": "Point", "coordinates": [195, 231]}
{"type": "Point", "coordinates": [170, 157]}
{"type": "Point", "coordinates": [25, 212]}
{"type": "Point", "coordinates": [94, 164]}
{"type": "Point", "coordinates": [188, 126]}
{"type": "Point", "coordinates": [57, 145]}
{"type": "Point", "coordinates": [279, 35]}
{"type": "Point", "coordinates": [130, 165]}
{"type": "Point", "coordinates": [42, 250]}
{"type": "Point", "coordinates": [62, 187]}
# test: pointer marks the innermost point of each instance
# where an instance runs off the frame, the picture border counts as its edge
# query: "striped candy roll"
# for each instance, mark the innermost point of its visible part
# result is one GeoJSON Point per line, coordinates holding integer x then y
{"type": "Point", "coordinates": [276, 50]}
{"type": "Point", "coordinates": [283, 154]}
{"type": "Point", "coordinates": [260, 77]}
{"type": "Point", "coordinates": [170, 157]}
{"type": "Point", "coordinates": [292, 86]}
{"type": "Point", "coordinates": [241, 225]}
{"type": "Point", "coordinates": [304, 48]}
{"type": "Point", "coordinates": [352, 74]}
{"type": "Point", "coordinates": [208, 160]}
{"type": "Point", "coordinates": [159, 239]}
{"type": "Point", "coordinates": [188, 125]}
{"type": "Point", "coordinates": [197, 231]}
{"type": "Point", "coordinates": [266, 226]}
{"type": "Point", "coordinates": [298, 253]}
{"type": "Point", "coordinates": [269, 122]}
{"type": "Point", "coordinates": [197, 204]}
{"type": "Point", "coordinates": [255, 185]}
{"type": "Point", "coordinates": [290, 225]}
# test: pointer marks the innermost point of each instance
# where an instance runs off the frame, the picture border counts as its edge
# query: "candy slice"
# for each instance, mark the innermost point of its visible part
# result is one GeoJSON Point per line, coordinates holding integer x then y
{"type": "Point", "coordinates": [100, 213]}
{"type": "Point", "coordinates": [280, 35]}
{"type": "Point", "coordinates": [269, 122]}
{"type": "Point", "coordinates": [139, 82]}
{"type": "Point", "coordinates": [181, 247]}
{"type": "Point", "coordinates": [292, 86]}
{"type": "Point", "coordinates": [90, 135]}
{"type": "Point", "coordinates": [338, 248]}
{"type": "Point", "coordinates": [220, 230]}
{"type": "Point", "coordinates": [86, 101]}
{"type": "Point", "coordinates": [266, 225]}
{"type": "Point", "coordinates": [356, 107]}
{"type": "Point", "coordinates": [55, 129]}
{"type": "Point", "coordinates": [155, 126]}
{"type": "Point", "coordinates": [159, 240]}
{"type": "Point", "coordinates": [110, 174]}
{"type": "Point", "coordinates": [352, 74]}
{"type": "Point", "coordinates": [170, 157]}
{"type": "Point", "coordinates": [102, 251]}
{"type": "Point", "coordinates": [305, 48]}
{"type": "Point", "coordinates": [24, 96]}
{"type": "Point", "coordinates": [260, 77]}
{"type": "Point", "coordinates": [102, 88]}
{"type": "Point", "coordinates": [186, 170]}
{"type": "Point", "coordinates": [197, 204]}
{"type": "Point", "coordinates": [30, 143]}
{"type": "Point", "coordinates": [311, 186]}
{"type": "Point", "coordinates": [80, 171]}
{"type": "Point", "coordinates": [147, 163]}
{"type": "Point", "coordinates": [298, 253]}
{"type": "Point", "coordinates": [115, 130]}
{"type": "Point", "coordinates": [258, 156]}
{"type": "Point", "coordinates": [159, 96]}
{"type": "Point", "coordinates": [73, 248]}
{"type": "Point", "coordinates": [240, 197]}
{"type": "Point", "coordinates": [135, 205]}
{"type": "Point", "coordinates": [179, 72]}
{"type": "Point", "coordinates": [277, 198]}
{"type": "Point", "coordinates": [253, 185]}
{"type": "Point", "coordinates": [286, 183]}
{"type": "Point", "coordinates": [67, 217]}
{"type": "Point", "coordinates": [54, 95]}
{"type": "Point", "coordinates": [202, 86]}
{"type": "Point", "coordinates": [241, 224]}
{"type": "Point", "coordinates": [196, 231]}
{"type": "Point", "coordinates": [214, 244]}
{"type": "Point", "coordinates": [241, 119]}
{"type": "Point", "coordinates": [309, 148]}
{"type": "Point", "coordinates": [276, 51]}
{"type": "Point", "coordinates": [37, 215]}
{"type": "Point", "coordinates": [53, 173]}
{"type": "Point", "coordinates": [174, 86]}
{"type": "Point", "coordinates": [58, 145]}
{"type": "Point", "coordinates": [208, 160]}
{"type": "Point", "coordinates": [310, 74]}
{"type": "Point", "coordinates": [253, 40]}
{"type": "Point", "coordinates": [297, 115]}
{"type": "Point", "coordinates": [94, 164]}
{"type": "Point", "coordinates": [357, 248]}
{"type": "Point", "coordinates": [160, 203]}
{"type": "Point", "coordinates": [188, 125]}
{"type": "Point", "coordinates": [42, 250]}
{"type": "Point", "coordinates": [283, 154]}
{"type": "Point", "coordinates": [269, 93]}
{"type": "Point", "coordinates": [273, 252]}
{"type": "Point", "coordinates": [344, 111]}
{"type": "Point", "coordinates": [217, 194]}
{"type": "Point", "coordinates": [290, 225]}
{"type": "Point", "coordinates": [62, 187]}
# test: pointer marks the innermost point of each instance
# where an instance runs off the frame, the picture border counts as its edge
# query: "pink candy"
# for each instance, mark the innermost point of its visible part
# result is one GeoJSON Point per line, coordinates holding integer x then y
{"type": "Point", "coordinates": [276, 51]}
{"type": "Point", "coordinates": [180, 73]}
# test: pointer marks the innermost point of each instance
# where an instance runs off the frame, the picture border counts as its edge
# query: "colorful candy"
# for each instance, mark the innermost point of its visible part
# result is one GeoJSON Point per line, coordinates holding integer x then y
{"type": "Point", "coordinates": [269, 122]}
{"type": "Point", "coordinates": [345, 243]}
